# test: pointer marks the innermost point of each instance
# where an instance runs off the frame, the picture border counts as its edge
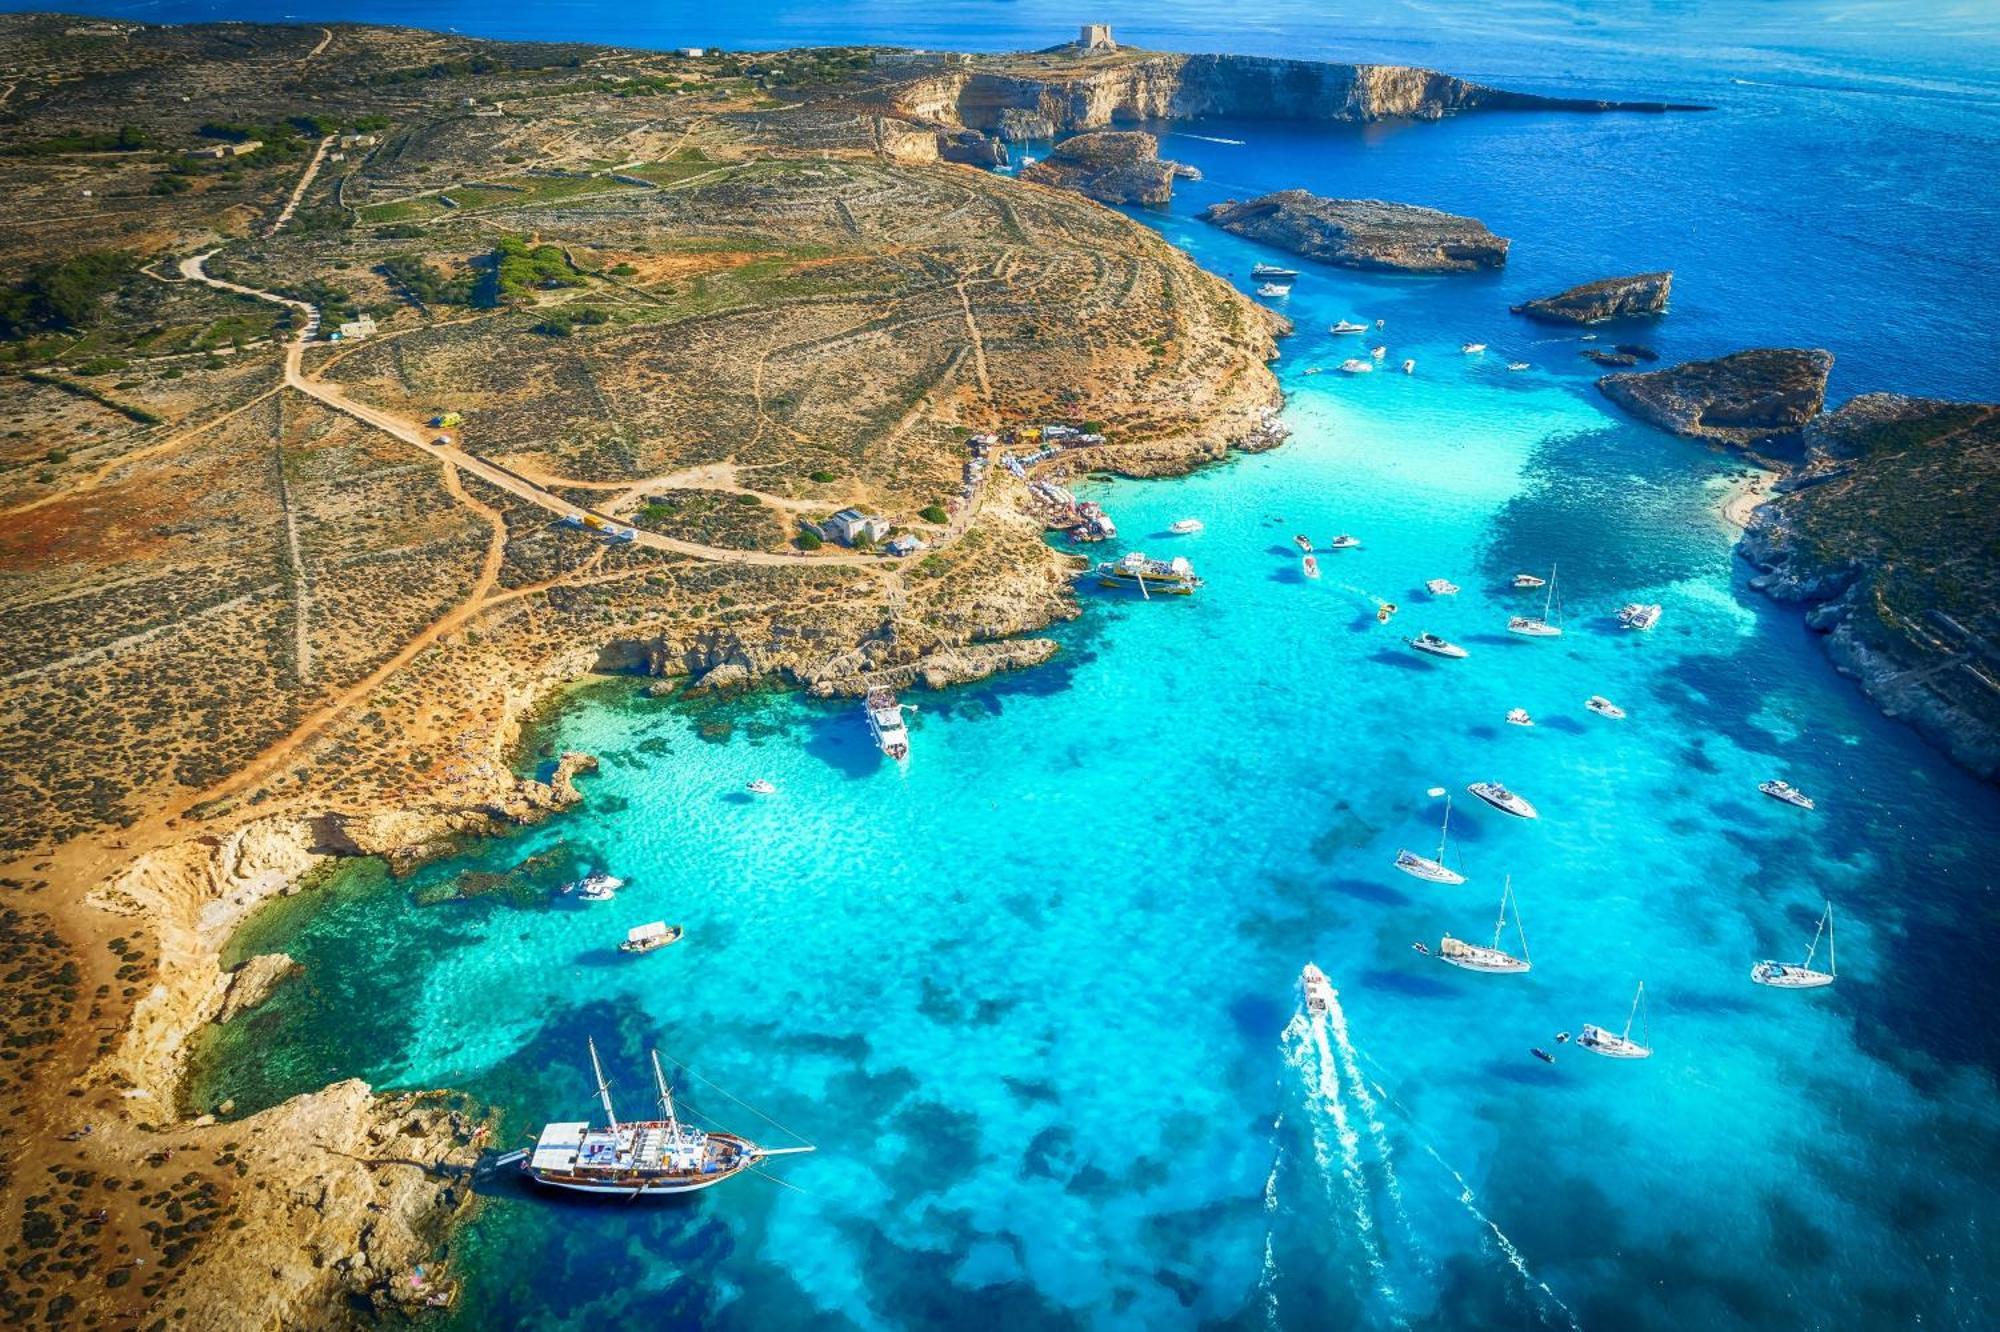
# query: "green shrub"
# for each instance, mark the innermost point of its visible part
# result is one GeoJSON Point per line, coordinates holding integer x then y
{"type": "Point", "coordinates": [57, 455]}
{"type": "Point", "coordinates": [809, 539]}
{"type": "Point", "coordinates": [822, 477]}
{"type": "Point", "coordinates": [934, 513]}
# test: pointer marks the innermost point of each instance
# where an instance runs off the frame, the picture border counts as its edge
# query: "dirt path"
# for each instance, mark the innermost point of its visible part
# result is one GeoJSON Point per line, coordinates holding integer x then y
{"type": "Point", "coordinates": [299, 190]}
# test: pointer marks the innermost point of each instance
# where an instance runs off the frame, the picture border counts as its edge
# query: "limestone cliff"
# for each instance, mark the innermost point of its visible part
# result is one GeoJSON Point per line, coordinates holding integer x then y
{"type": "Point", "coordinates": [1607, 298]}
{"type": "Point", "coordinates": [1039, 97]}
{"type": "Point", "coordinates": [1363, 233]}
{"type": "Point", "coordinates": [1110, 166]}
{"type": "Point", "coordinates": [1748, 397]}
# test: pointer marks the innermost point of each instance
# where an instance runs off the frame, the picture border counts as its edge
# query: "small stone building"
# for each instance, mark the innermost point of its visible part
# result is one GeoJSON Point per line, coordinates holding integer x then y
{"type": "Point", "coordinates": [1096, 37]}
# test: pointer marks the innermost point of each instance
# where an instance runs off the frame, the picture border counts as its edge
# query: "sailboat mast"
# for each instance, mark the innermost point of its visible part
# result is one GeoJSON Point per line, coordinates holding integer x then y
{"type": "Point", "coordinates": [1445, 831]}
{"type": "Point", "coordinates": [1549, 599]}
{"type": "Point", "coordinates": [666, 1097]}
{"type": "Point", "coordinates": [1832, 963]}
{"type": "Point", "coordinates": [603, 1088]}
{"type": "Point", "coordinates": [1637, 995]}
{"type": "Point", "coordinates": [1500, 925]}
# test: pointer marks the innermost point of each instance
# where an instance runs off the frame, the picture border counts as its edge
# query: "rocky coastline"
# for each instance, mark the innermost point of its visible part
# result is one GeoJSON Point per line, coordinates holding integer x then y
{"type": "Point", "coordinates": [1764, 396]}
{"type": "Point", "coordinates": [1638, 296]}
{"type": "Point", "coordinates": [1363, 233]}
{"type": "Point", "coordinates": [1110, 166]}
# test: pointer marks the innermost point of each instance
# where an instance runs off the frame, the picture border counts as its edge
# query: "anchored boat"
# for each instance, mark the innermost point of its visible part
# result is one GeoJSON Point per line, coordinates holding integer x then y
{"type": "Point", "coordinates": [596, 886]}
{"type": "Point", "coordinates": [1184, 526]}
{"type": "Point", "coordinates": [1621, 1046]}
{"type": "Point", "coordinates": [1472, 348]}
{"type": "Point", "coordinates": [1546, 625]}
{"type": "Point", "coordinates": [1786, 792]}
{"type": "Point", "coordinates": [1802, 975]}
{"type": "Point", "coordinates": [1432, 870]}
{"type": "Point", "coordinates": [1355, 366]}
{"type": "Point", "coordinates": [1437, 647]}
{"type": "Point", "coordinates": [1174, 577]}
{"type": "Point", "coordinates": [1479, 957]}
{"type": "Point", "coordinates": [636, 1158]}
{"type": "Point", "coordinates": [1441, 587]}
{"type": "Point", "coordinates": [885, 723]}
{"type": "Point", "coordinates": [654, 934]}
{"type": "Point", "coordinates": [1519, 717]}
{"type": "Point", "coordinates": [1273, 273]}
{"type": "Point", "coordinates": [1604, 707]}
{"type": "Point", "coordinates": [1349, 326]}
{"type": "Point", "coordinates": [1528, 580]}
{"type": "Point", "coordinates": [1503, 800]}
{"type": "Point", "coordinates": [1639, 615]}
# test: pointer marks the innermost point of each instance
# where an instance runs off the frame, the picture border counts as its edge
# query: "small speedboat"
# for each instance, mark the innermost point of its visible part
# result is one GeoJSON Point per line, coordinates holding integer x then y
{"type": "Point", "coordinates": [761, 787]}
{"type": "Point", "coordinates": [1381, 323]}
{"type": "Point", "coordinates": [1409, 367]}
{"type": "Point", "coordinates": [1541, 1054]}
{"type": "Point", "coordinates": [1786, 792]}
{"type": "Point", "coordinates": [1185, 526]}
{"type": "Point", "coordinates": [1441, 587]}
{"type": "Point", "coordinates": [1310, 566]}
{"type": "Point", "coordinates": [645, 938]}
{"type": "Point", "coordinates": [1320, 994]}
{"type": "Point", "coordinates": [1273, 289]}
{"type": "Point", "coordinates": [1343, 542]}
{"type": "Point", "coordinates": [1355, 366]}
{"type": "Point", "coordinates": [1529, 580]}
{"type": "Point", "coordinates": [1604, 707]}
{"type": "Point", "coordinates": [1519, 717]}
{"type": "Point", "coordinates": [1437, 647]}
{"type": "Point", "coordinates": [595, 887]}
{"type": "Point", "coordinates": [1518, 365]}
{"type": "Point", "coordinates": [1304, 543]}
{"type": "Point", "coordinates": [1349, 326]}
{"type": "Point", "coordinates": [1379, 352]}
{"type": "Point", "coordinates": [1639, 615]}
{"type": "Point", "coordinates": [1503, 800]}
{"type": "Point", "coordinates": [1472, 348]}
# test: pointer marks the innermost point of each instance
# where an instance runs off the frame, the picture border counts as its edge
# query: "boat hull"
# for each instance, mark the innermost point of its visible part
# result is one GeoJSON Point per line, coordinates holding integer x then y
{"type": "Point", "coordinates": [1601, 1042]}
{"type": "Point", "coordinates": [1508, 804]}
{"type": "Point", "coordinates": [1779, 976]}
{"type": "Point", "coordinates": [1430, 871]}
{"type": "Point", "coordinates": [1486, 960]}
{"type": "Point", "coordinates": [636, 1187]}
{"type": "Point", "coordinates": [1533, 629]}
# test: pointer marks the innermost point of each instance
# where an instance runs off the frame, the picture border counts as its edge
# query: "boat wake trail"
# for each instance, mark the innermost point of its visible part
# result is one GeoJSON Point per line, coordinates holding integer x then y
{"type": "Point", "coordinates": [1335, 1021]}
{"type": "Point", "coordinates": [1267, 1280]}
{"type": "Point", "coordinates": [1207, 138]}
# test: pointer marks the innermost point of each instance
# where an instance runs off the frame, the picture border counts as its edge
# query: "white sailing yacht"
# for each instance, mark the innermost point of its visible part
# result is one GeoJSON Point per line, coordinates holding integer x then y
{"type": "Point", "coordinates": [1478, 957]}
{"type": "Point", "coordinates": [1432, 871]}
{"type": "Point", "coordinates": [1802, 975]}
{"type": "Point", "coordinates": [1541, 626]}
{"type": "Point", "coordinates": [1599, 1041]}
{"type": "Point", "coordinates": [653, 1156]}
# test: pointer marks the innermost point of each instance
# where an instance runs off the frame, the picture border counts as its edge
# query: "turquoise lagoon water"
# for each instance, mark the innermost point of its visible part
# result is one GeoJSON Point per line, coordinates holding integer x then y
{"type": "Point", "coordinates": [1035, 997]}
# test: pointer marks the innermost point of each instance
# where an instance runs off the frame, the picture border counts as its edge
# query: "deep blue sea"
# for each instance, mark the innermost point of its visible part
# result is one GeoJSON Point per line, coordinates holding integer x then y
{"type": "Point", "coordinates": [1035, 997]}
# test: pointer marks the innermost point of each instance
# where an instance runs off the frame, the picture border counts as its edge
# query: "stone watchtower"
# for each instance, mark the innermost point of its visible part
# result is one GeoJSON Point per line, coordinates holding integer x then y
{"type": "Point", "coordinates": [1096, 37]}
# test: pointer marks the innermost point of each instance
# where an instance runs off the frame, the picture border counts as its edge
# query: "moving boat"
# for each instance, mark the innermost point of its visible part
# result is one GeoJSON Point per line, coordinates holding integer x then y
{"type": "Point", "coordinates": [1472, 348]}
{"type": "Point", "coordinates": [1539, 626]}
{"type": "Point", "coordinates": [1184, 526]}
{"type": "Point", "coordinates": [654, 934]}
{"type": "Point", "coordinates": [1520, 717]}
{"type": "Point", "coordinates": [1528, 580]}
{"type": "Point", "coordinates": [1268, 272]}
{"type": "Point", "coordinates": [1355, 366]}
{"type": "Point", "coordinates": [1479, 957]}
{"type": "Point", "coordinates": [1320, 993]}
{"type": "Point", "coordinates": [1304, 543]}
{"type": "Point", "coordinates": [635, 1158]}
{"type": "Point", "coordinates": [761, 787]}
{"type": "Point", "coordinates": [1311, 566]}
{"type": "Point", "coordinates": [1503, 800]}
{"type": "Point", "coordinates": [1437, 647]}
{"type": "Point", "coordinates": [1801, 975]}
{"type": "Point", "coordinates": [1409, 367]}
{"type": "Point", "coordinates": [1431, 870]}
{"type": "Point", "coordinates": [1639, 615]}
{"type": "Point", "coordinates": [1349, 326]}
{"type": "Point", "coordinates": [1379, 352]}
{"type": "Point", "coordinates": [1273, 289]}
{"type": "Point", "coordinates": [1174, 577]}
{"type": "Point", "coordinates": [1517, 365]}
{"type": "Point", "coordinates": [1441, 587]}
{"type": "Point", "coordinates": [596, 886]}
{"type": "Point", "coordinates": [1604, 707]}
{"type": "Point", "coordinates": [885, 723]}
{"type": "Point", "coordinates": [1786, 792]}
{"type": "Point", "coordinates": [1343, 542]}
{"type": "Point", "coordinates": [1599, 1041]}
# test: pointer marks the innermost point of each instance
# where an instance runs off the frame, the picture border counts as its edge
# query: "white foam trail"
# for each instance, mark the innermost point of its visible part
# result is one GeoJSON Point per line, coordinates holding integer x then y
{"type": "Point", "coordinates": [1371, 1116]}
{"type": "Point", "coordinates": [1326, 1083]}
{"type": "Point", "coordinates": [1207, 138]}
{"type": "Point", "coordinates": [1267, 1280]}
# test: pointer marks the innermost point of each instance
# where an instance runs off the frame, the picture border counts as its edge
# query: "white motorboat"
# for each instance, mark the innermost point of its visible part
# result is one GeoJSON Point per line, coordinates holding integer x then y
{"type": "Point", "coordinates": [1273, 273]}
{"type": "Point", "coordinates": [1437, 647]}
{"type": "Point", "coordinates": [1273, 290]}
{"type": "Point", "coordinates": [1517, 365]}
{"type": "Point", "coordinates": [1441, 587]}
{"type": "Point", "coordinates": [1184, 526]}
{"type": "Point", "coordinates": [1604, 707]}
{"type": "Point", "coordinates": [1546, 625]}
{"type": "Point", "coordinates": [1349, 326]}
{"type": "Point", "coordinates": [1378, 352]}
{"type": "Point", "coordinates": [1528, 580]}
{"type": "Point", "coordinates": [1409, 367]}
{"type": "Point", "coordinates": [761, 787]}
{"type": "Point", "coordinates": [1519, 717]}
{"type": "Point", "coordinates": [1493, 958]}
{"type": "Point", "coordinates": [1355, 366]}
{"type": "Point", "coordinates": [1472, 348]}
{"type": "Point", "coordinates": [1429, 869]}
{"type": "Point", "coordinates": [1504, 800]}
{"type": "Point", "coordinates": [595, 887]}
{"type": "Point", "coordinates": [1343, 542]}
{"type": "Point", "coordinates": [1309, 565]}
{"type": "Point", "coordinates": [654, 934]}
{"type": "Point", "coordinates": [1621, 1046]}
{"type": "Point", "coordinates": [1320, 994]}
{"type": "Point", "coordinates": [1639, 615]}
{"type": "Point", "coordinates": [1802, 975]}
{"type": "Point", "coordinates": [885, 723]}
{"type": "Point", "coordinates": [1786, 792]}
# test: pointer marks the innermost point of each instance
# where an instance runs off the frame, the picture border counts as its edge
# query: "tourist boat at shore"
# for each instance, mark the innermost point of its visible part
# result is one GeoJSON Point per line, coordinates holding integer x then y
{"type": "Point", "coordinates": [1786, 792]}
{"type": "Point", "coordinates": [1349, 326]}
{"type": "Point", "coordinates": [1343, 542]}
{"type": "Point", "coordinates": [1604, 707]}
{"type": "Point", "coordinates": [597, 886]}
{"type": "Point", "coordinates": [885, 723]}
{"type": "Point", "coordinates": [1519, 717]}
{"type": "Point", "coordinates": [1355, 366]}
{"type": "Point", "coordinates": [1273, 289]}
{"type": "Point", "coordinates": [761, 787]}
{"type": "Point", "coordinates": [653, 934]}
{"type": "Point", "coordinates": [1639, 615]}
{"type": "Point", "coordinates": [1472, 348]}
{"type": "Point", "coordinates": [1437, 647]}
{"type": "Point", "coordinates": [1802, 975]}
{"type": "Point", "coordinates": [1441, 587]}
{"type": "Point", "coordinates": [1480, 957]}
{"type": "Point", "coordinates": [1184, 526]}
{"type": "Point", "coordinates": [1309, 566]}
{"type": "Point", "coordinates": [1540, 626]}
{"type": "Point", "coordinates": [1599, 1041]}
{"type": "Point", "coordinates": [1432, 870]}
{"type": "Point", "coordinates": [1273, 273]}
{"type": "Point", "coordinates": [1173, 577]}
{"type": "Point", "coordinates": [638, 1158]}
{"type": "Point", "coordinates": [1320, 993]}
{"type": "Point", "coordinates": [1504, 800]}
{"type": "Point", "coordinates": [1528, 580]}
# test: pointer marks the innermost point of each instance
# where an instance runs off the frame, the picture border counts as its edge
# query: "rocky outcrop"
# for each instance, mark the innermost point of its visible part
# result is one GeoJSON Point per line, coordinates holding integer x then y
{"type": "Point", "coordinates": [1607, 298]}
{"type": "Point", "coordinates": [936, 670]}
{"type": "Point", "coordinates": [1749, 397]}
{"type": "Point", "coordinates": [1890, 536]}
{"type": "Point", "coordinates": [1110, 166]}
{"type": "Point", "coordinates": [1364, 233]}
{"type": "Point", "coordinates": [971, 148]}
{"type": "Point", "coordinates": [251, 984]}
{"type": "Point", "coordinates": [1038, 99]}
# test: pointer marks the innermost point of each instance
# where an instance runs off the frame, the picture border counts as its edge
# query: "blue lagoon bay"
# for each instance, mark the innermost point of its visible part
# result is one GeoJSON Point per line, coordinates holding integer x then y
{"type": "Point", "coordinates": [1034, 996]}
